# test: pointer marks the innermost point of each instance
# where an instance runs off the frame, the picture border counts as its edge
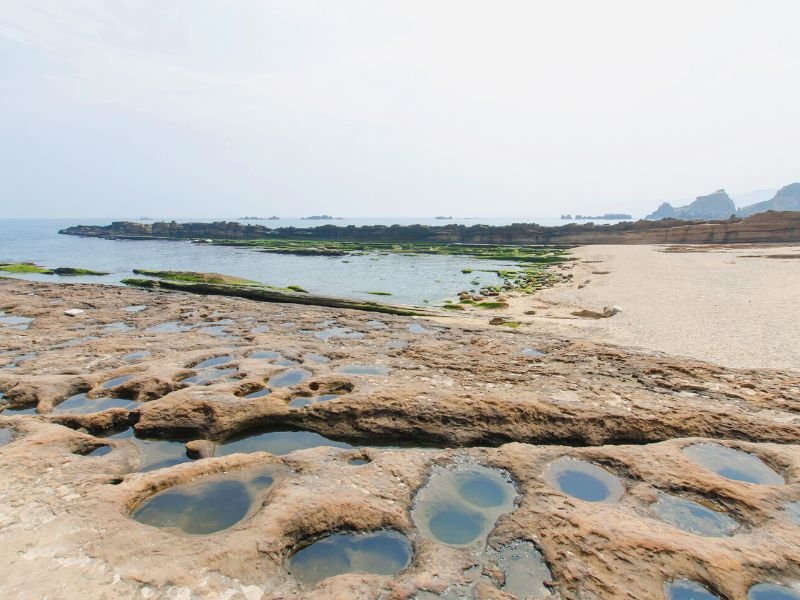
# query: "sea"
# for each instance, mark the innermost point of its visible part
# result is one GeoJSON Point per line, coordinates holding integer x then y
{"type": "Point", "coordinates": [417, 280]}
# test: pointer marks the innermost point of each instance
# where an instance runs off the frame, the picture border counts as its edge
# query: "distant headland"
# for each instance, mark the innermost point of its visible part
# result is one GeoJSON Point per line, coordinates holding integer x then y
{"type": "Point", "coordinates": [720, 206]}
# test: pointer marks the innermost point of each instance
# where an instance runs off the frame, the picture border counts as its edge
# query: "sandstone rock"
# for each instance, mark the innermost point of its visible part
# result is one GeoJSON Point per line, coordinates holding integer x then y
{"type": "Point", "coordinates": [200, 449]}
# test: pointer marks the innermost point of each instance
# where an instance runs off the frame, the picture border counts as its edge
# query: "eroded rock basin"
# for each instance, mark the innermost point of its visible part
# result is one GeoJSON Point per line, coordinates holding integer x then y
{"type": "Point", "coordinates": [206, 506]}
{"type": "Point", "coordinates": [460, 506]}
{"type": "Point", "coordinates": [381, 553]}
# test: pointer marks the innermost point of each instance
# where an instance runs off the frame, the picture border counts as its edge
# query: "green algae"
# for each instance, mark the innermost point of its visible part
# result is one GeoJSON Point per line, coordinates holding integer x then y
{"type": "Point", "coordinates": [24, 268]}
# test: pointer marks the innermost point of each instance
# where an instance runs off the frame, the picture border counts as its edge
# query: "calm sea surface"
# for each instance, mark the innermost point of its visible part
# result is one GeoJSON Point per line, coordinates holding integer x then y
{"type": "Point", "coordinates": [410, 279]}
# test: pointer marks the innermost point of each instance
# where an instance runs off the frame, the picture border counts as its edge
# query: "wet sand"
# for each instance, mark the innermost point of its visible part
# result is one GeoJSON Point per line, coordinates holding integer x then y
{"type": "Point", "coordinates": [728, 305]}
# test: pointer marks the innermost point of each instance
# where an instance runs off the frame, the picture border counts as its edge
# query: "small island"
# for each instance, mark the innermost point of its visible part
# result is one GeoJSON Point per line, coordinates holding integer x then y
{"type": "Point", "coordinates": [251, 219]}
{"type": "Point", "coordinates": [605, 217]}
{"type": "Point", "coordinates": [321, 218]}
{"type": "Point", "coordinates": [444, 218]}
{"type": "Point", "coordinates": [274, 218]}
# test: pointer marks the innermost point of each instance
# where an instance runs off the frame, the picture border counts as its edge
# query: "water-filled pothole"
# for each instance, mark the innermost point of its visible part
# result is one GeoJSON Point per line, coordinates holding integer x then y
{"type": "Point", "coordinates": [117, 327]}
{"type": "Point", "coordinates": [30, 410]}
{"type": "Point", "coordinates": [525, 571]}
{"type": "Point", "coordinates": [99, 451]}
{"type": "Point", "coordinates": [209, 376]}
{"type": "Point", "coordinates": [583, 480]}
{"type": "Point", "coordinates": [460, 506]}
{"type": "Point", "coordinates": [792, 510]}
{"type": "Point", "coordinates": [264, 354]}
{"type": "Point", "coordinates": [6, 435]}
{"type": "Point", "coordinates": [317, 358]}
{"type": "Point", "coordinates": [154, 453]}
{"type": "Point", "coordinates": [288, 378]}
{"type": "Point", "coordinates": [169, 327]}
{"type": "Point", "coordinates": [772, 591]}
{"type": "Point", "coordinates": [363, 370]}
{"type": "Point", "coordinates": [258, 393]}
{"type": "Point", "coordinates": [134, 356]}
{"type": "Point", "coordinates": [213, 362]}
{"type": "Point", "coordinates": [203, 507]}
{"type": "Point", "coordinates": [79, 404]}
{"type": "Point", "coordinates": [14, 322]}
{"type": "Point", "coordinates": [733, 464]}
{"type": "Point", "coordinates": [135, 308]}
{"type": "Point", "coordinates": [684, 589]}
{"type": "Point", "coordinates": [532, 352]}
{"type": "Point", "coordinates": [302, 401]}
{"type": "Point", "coordinates": [692, 517]}
{"type": "Point", "coordinates": [111, 383]}
{"type": "Point", "coordinates": [419, 329]}
{"type": "Point", "coordinates": [381, 553]}
{"type": "Point", "coordinates": [339, 332]}
{"type": "Point", "coordinates": [275, 442]}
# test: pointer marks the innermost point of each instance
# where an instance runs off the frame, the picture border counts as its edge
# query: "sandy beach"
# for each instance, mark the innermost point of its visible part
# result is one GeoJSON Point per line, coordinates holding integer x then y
{"type": "Point", "coordinates": [733, 306]}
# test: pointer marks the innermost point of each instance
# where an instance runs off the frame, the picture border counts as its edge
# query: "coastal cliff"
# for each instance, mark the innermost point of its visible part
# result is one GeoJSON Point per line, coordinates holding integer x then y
{"type": "Point", "coordinates": [773, 227]}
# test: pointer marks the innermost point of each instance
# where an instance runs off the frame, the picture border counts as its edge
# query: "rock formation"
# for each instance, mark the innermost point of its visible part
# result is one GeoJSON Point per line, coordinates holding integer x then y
{"type": "Point", "coordinates": [762, 227]}
{"type": "Point", "coordinates": [713, 206]}
{"type": "Point", "coordinates": [787, 198]}
{"type": "Point", "coordinates": [446, 394]}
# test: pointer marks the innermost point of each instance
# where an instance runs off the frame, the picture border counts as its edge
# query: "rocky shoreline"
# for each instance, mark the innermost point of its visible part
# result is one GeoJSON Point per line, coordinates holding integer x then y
{"type": "Point", "coordinates": [404, 398]}
{"type": "Point", "coordinates": [768, 227]}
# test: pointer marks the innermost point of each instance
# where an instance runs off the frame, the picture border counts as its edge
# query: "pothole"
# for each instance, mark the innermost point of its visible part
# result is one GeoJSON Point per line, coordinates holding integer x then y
{"type": "Point", "coordinates": [289, 378]}
{"type": "Point", "coordinates": [363, 370]}
{"type": "Point", "coordinates": [212, 362]}
{"type": "Point", "coordinates": [792, 510]}
{"type": "Point", "coordinates": [532, 352]}
{"type": "Point", "coordinates": [117, 327]}
{"type": "Point", "coordinates": [380, 553]}
{"type": "Point", "coordinates": [684, 589]}
{"type": "Point", "coordinates": [773, 591]}
{"type": "Point", "coordinates": [692, 517]}
{"type": "Point", "coordinates": [275, 442]}
{"type": "Point", "coordinates": [79, 404]}
{"type": "Point", "coordinates": [317, 358]}
{"type": "Point", "coordinates": [583, 480]}
{"type": "Point", "coordinates": [733, 464]}
{"type": "Point", "coordinates": [303, 401]}
{"type": "Point", "coordinates": [459, 506]}
{"type": "Point", "coordinates": [6, 435]}
{"type": "Point", "coordinates": [209, 376]}
{"type": "Point", "coordinates": [205, 507]}
{"type": "Point", "coordinates": [135, 308]}
{"type": "Point", "coordinates": [264, 355]}
{"type": "Point", "coordinates": [154, 453]}
{"type": "Point", "coordinates": [525, 571]}
{"type": "Point", "coordinates": [112, 383]}
{"type": "Point", "coordinates": [169, 327]}
{"type": "Point", "coordinates": [258, 394]}
{"type": "Point", "coordinates": [136, 356]}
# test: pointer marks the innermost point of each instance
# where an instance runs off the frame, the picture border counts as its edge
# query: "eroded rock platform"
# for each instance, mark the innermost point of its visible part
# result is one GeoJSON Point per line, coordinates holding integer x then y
{"type": "Point", "coordinates": [399, 399]}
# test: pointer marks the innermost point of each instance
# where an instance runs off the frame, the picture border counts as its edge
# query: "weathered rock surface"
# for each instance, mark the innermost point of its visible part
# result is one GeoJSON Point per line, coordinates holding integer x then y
{"type": "Point", "coordinates": [464, 393]}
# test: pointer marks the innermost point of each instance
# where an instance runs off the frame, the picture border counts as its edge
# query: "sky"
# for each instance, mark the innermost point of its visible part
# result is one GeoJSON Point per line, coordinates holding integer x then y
{"type": "Point", "coordinates": [392, 108]}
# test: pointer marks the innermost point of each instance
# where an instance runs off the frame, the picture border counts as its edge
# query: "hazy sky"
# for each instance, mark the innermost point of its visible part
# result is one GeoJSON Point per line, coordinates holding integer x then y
{"type": "Point", "coordinates": [404, 108]}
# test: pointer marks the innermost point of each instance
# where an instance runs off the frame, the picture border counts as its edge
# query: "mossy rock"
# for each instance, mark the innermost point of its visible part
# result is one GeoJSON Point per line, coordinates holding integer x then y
{"type": "Point", "coordinates": [24, 267]}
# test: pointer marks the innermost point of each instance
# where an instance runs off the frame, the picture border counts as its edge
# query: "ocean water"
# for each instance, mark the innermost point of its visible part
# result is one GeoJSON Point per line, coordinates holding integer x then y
{"type": "Point", "coordinates": [409, 279]}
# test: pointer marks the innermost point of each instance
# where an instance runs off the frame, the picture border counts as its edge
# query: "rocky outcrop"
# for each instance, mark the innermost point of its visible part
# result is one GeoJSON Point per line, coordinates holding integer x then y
{"type": "Point", "coordinates": [713, 206]}
{"type": "Point", "coordinates": [787, 198]}
{"type": "Point", "coordinates": [69, 489]}
{"type": "Point", "coordinates": [763, 227]}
